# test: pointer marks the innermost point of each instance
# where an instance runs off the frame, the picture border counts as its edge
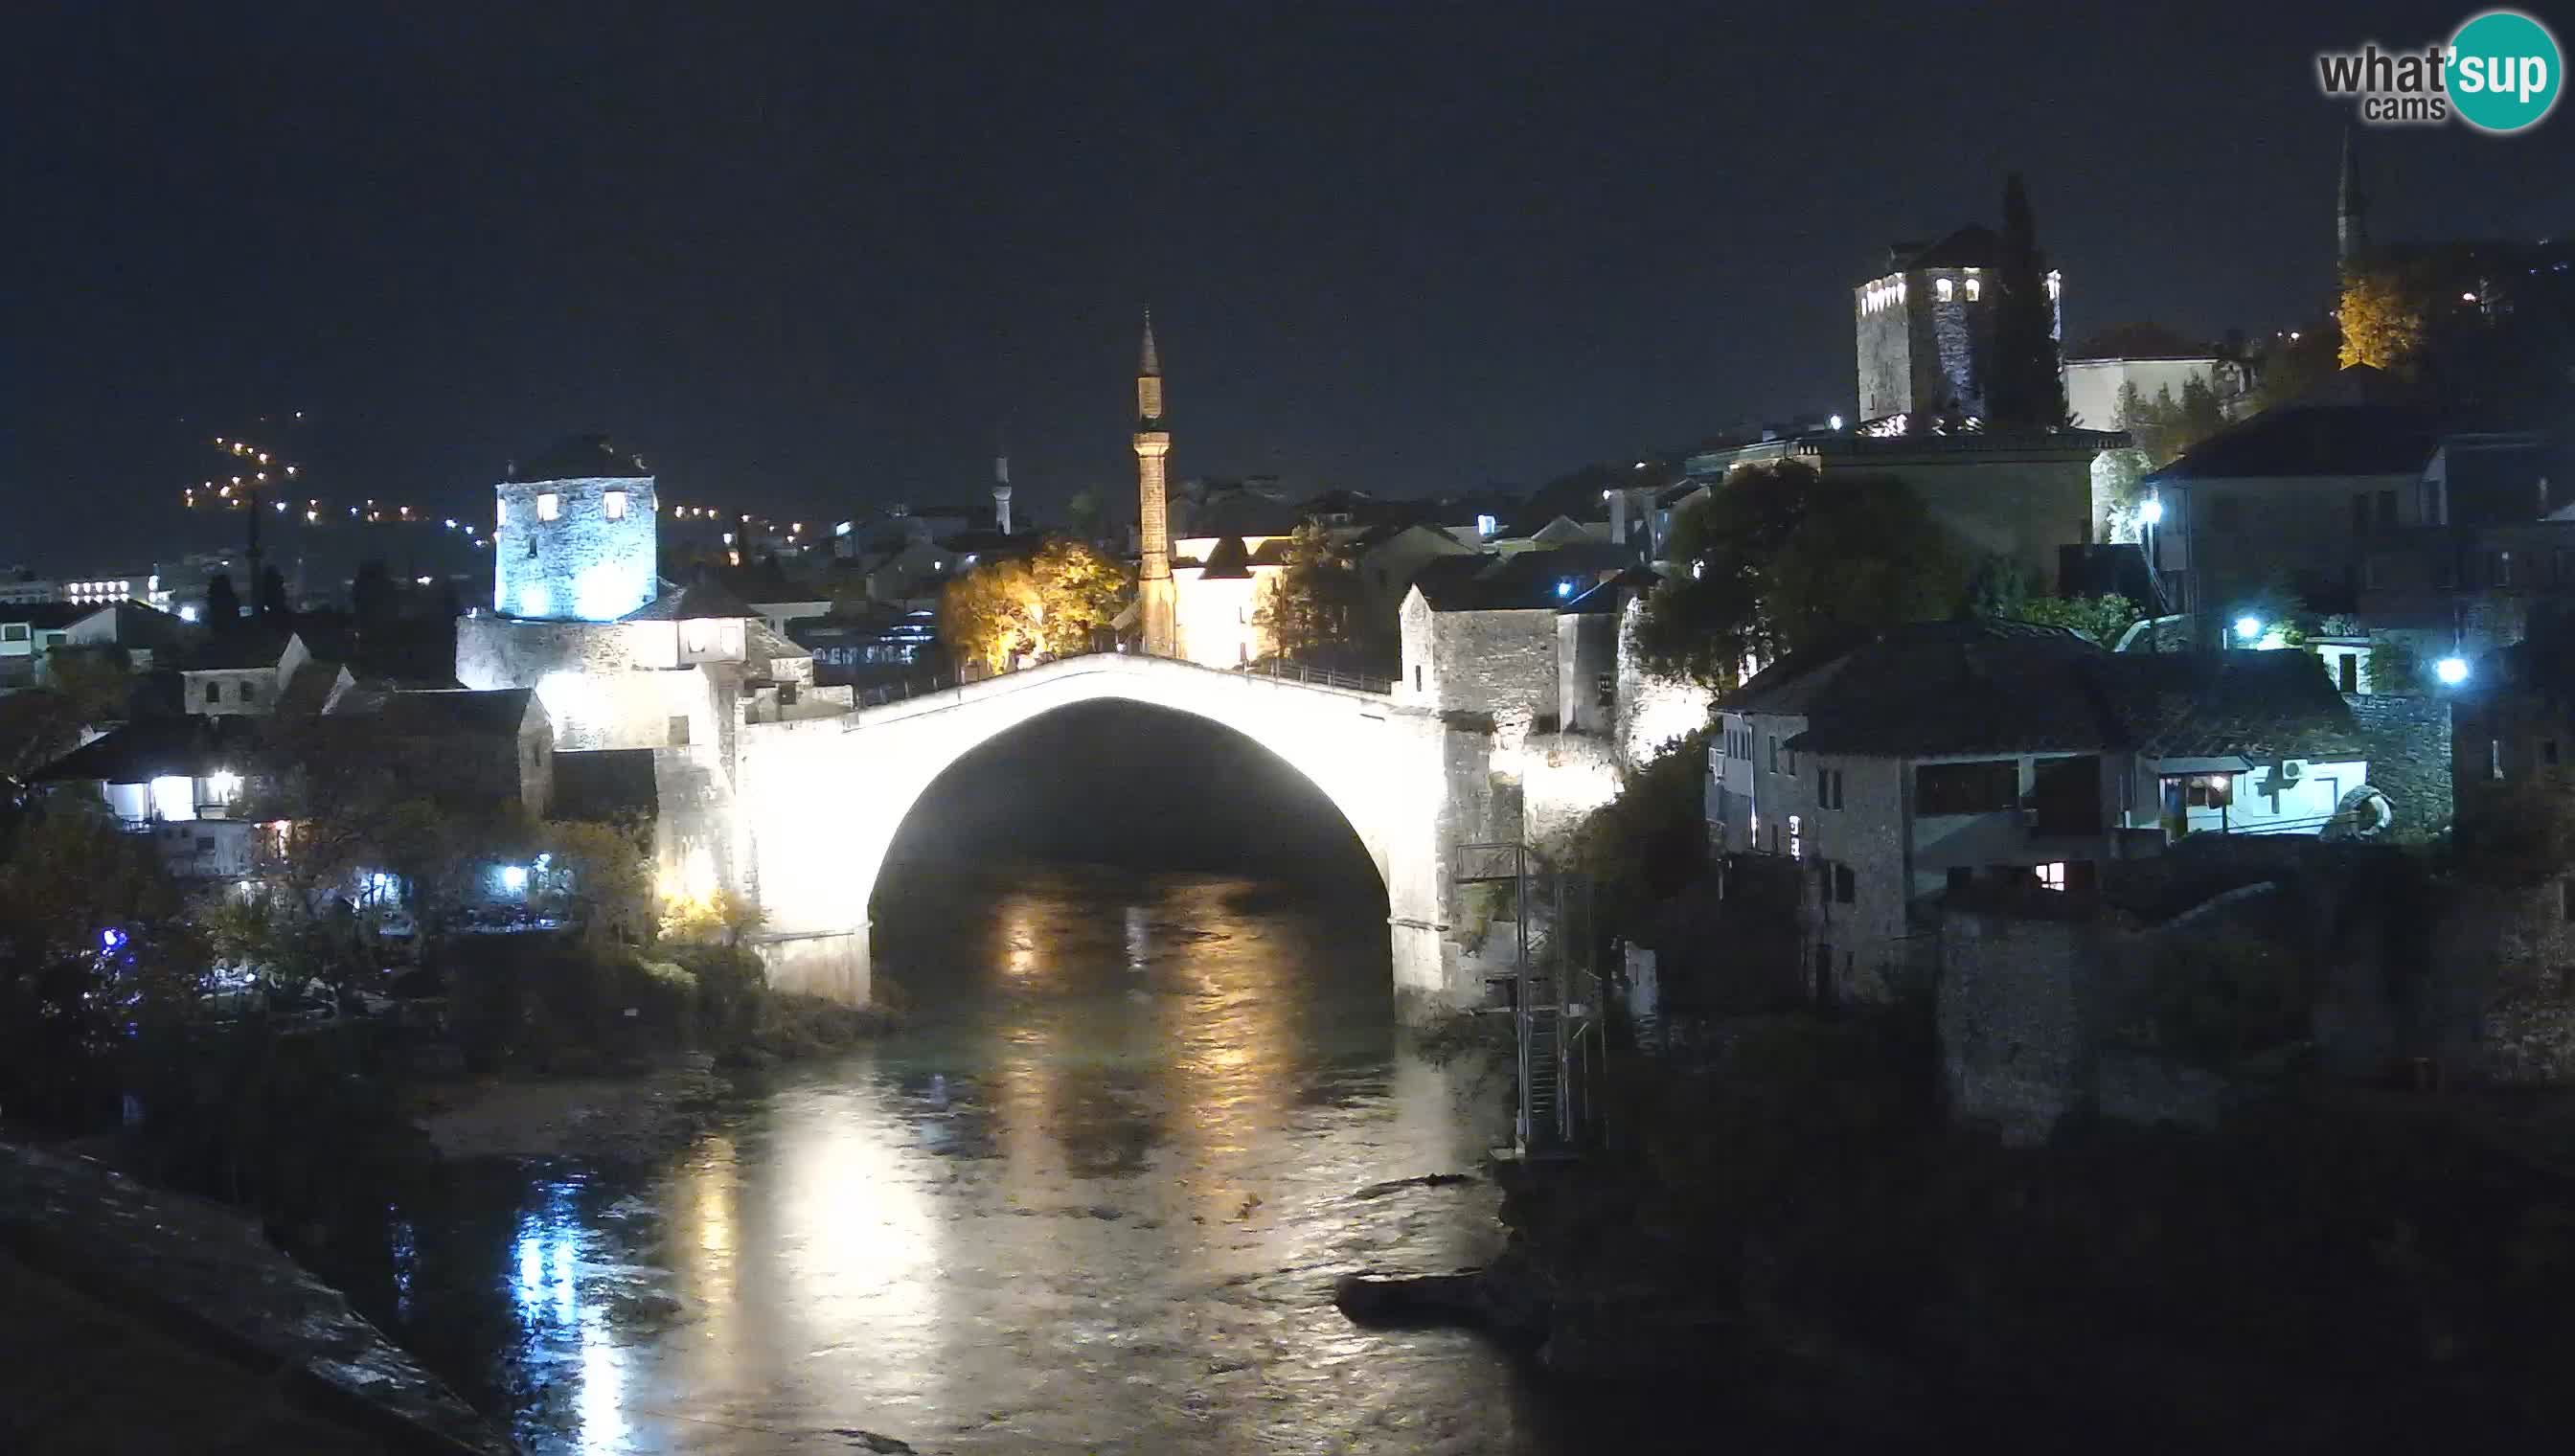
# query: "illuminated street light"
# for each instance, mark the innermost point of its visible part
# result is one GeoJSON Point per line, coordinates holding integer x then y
{"type": "Point", "coordinates": [2152, 512]}
{"type": "Point", "coordinates": [2248, 628]}
{"type": "Point", "coordinates": [2451, 671]}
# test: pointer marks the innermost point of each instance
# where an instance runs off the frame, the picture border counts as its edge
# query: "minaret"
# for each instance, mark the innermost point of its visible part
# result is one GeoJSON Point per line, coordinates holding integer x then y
{"type": "Point", "coordinates": [2351, 209]}
{"type": "Point", "coordinates": [1002, 491]}
{"type": "Point", "coordinates": [1157, 601]}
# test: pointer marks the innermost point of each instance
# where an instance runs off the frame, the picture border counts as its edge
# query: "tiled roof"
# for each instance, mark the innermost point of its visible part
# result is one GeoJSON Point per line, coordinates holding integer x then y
{"type": "Point", "coordinates": [241, 649]}
{"type": "Point", "coordinates": [445, 713]}
{"type": "Point", "coordinates": [193, 744]}
{"type": "Point", "coordinates": [1940, 688]}
{"type": "Point", "coordinates": [2358, 423]}
{"type": "Point", "coordinates": [704, 600]}
{"type": "Point", "coordinates": [1524, 580]}
{"type": "Point", "coordinates": [604, 785]}
{"type": "Point", "coordinates": [578, 458]}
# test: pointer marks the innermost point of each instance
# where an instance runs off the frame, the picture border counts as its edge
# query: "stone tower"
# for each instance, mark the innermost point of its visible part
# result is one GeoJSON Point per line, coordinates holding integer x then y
{"type": "Point", "coordinates": [1925, 328]}
{"type": "Point", "coordinates": [2351, 209]}
{"type": "Point", "coordinates": [574, 541]}
{"type": "Point", "coordinates": [1002, 491]}
{"type": "Point", "coordinates": [1157, 601]}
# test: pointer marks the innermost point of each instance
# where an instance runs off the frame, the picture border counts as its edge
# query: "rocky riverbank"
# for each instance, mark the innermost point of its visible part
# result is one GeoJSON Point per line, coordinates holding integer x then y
{"type": "Point", "coordinates": [1793, 1230]}
{"type": "Point", "coordinates": [136, 1319]}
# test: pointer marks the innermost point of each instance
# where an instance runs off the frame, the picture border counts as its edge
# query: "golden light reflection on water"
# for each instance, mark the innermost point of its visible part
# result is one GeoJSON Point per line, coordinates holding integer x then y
{"type": "Point", "coordinates": [1114, 1153]}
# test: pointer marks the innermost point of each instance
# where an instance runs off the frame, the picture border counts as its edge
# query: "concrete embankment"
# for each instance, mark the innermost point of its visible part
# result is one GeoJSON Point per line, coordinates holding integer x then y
{"type": "Point", "coordinates": [136, 1319]}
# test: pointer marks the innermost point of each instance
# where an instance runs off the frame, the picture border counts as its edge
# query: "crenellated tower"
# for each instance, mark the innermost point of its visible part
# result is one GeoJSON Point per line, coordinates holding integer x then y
{"type": "Point", "coordinates": [1157, 601]}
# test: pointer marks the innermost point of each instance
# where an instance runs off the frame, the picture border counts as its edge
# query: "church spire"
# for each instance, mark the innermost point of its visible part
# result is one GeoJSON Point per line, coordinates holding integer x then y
{"type": "Point", "coordinates": [2351, 208]}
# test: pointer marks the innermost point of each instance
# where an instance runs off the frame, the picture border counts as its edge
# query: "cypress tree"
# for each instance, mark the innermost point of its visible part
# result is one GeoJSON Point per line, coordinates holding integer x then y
{"type": "Point", "coordinates": [2024, 391]}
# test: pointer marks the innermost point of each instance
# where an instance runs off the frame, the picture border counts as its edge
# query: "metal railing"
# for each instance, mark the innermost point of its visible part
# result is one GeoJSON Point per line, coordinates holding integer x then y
{"type": "Point", "coordinates": [1279, 671]}
{"type": "Point", "coordinates": [1556, 995]}
{"type": "Point", "coordinates": [937, 681]}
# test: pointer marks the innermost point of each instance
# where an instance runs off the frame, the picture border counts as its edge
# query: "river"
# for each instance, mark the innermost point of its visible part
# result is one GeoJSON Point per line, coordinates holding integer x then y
{"type": "Point", "coordinates": [1092, 1198]}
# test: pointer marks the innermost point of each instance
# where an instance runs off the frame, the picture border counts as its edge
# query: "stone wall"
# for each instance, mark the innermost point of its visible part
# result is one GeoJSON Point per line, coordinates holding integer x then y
{"type": "Point", "coordinates": [2019, 1020]}
{"type": "Point", "coordinates": [2408, 744]}
{"type": "Point", "coordinates": [1653, 710]}
{"type": "Point", "coordinates": [580, 565]}
{"type": "Point", "coordinates": [1501, 663]}
{"type": "Point", "coordinates": [1563, 778]}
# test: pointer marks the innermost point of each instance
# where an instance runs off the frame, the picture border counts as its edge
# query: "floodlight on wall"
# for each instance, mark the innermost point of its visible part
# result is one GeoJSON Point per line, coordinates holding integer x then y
{"type": "Point", "coordinates": [2248, 628]}
{"type": "Point", "coordinates": [2152, 512]}
{"type": "Point", "coordinates": [2451, 671]}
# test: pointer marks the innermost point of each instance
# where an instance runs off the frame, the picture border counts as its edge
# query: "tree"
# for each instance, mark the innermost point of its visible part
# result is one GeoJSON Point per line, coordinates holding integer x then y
{"type": "Point", "coordinates": [2025, 388]}
{"type": "Point", "coordinates": [983, 616]}
{"type": "Point", "coordinates": [2104, 619]}
{"type": "Point", "coordinates": [2165, 428]}
{"type": "Point", "coordinates": [2381, 315]}
{"type": "Point", "coordinates": [1082, 515]}
{"type": "Point", "coordinates": [1079, 591]}
{"type": "Point", "coordinates": [372, 603]}
{"type": "Point", "coordinates": [1050, 604]}
{"type": "Point", "coordinates": [2394, 664]}
{"type": "Point", "coordinates": [272, 595]}
{"type": "Point", "coordinates": [2294, 364]}
{"type": "Point", "coordinates": [95, 951]}
{"type": "Point", "coordinates": [1779, 558]}
{"type": "Point", "coordinates": [1301, 612]}
{"type": "Point", "coordinates": [223, 604]}
{"type": "Point", "coordinates": [598, 874]}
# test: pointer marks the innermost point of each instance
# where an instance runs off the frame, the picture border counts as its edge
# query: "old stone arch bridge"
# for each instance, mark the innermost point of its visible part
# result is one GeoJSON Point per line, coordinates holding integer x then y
{"type": "Point", "coordinates": [818, 801]}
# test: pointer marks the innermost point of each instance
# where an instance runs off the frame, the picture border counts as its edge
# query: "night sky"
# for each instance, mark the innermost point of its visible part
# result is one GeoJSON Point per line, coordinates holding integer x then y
{"type": "Point", "coordinates": [809, 259]}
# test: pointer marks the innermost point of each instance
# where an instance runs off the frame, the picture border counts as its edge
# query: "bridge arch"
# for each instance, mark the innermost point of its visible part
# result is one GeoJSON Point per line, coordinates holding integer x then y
{"type": "Point", "coordinates": [819, 800]}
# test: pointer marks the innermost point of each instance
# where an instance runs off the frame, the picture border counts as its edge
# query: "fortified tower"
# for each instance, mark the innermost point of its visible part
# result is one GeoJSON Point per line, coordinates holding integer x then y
{"type": "Point", "coordinates": [1156, 602]}
{"type": "Point", "coordinates": [1927, 326]}
{"type": "Point", "coordinates": [575, 538]}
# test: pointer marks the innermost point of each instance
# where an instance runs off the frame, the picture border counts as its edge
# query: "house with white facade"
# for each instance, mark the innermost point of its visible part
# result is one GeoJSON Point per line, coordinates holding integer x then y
{"type": "Point", "coordinates": [1948, 757]}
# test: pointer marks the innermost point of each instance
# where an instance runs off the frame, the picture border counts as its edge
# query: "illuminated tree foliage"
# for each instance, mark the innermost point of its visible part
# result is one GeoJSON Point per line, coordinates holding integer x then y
{"type": "Point", "coordinates": [1050, 605]}
{"type": "Point", "coordinates": [1779, 558]}
{"type": "Point", "coordinates": [2381, 317]}
{"type": "Point", "coordinates": [1301, 615]}
{"type": "Point", "coordinates": [2163, 427]}
{"type": "Point", "coordinates": [2104, 619]}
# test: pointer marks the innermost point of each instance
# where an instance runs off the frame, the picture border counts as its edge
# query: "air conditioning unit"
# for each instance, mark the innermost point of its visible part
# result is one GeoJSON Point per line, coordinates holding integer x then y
{"type": "Point", "coordinates": [2290, 770]}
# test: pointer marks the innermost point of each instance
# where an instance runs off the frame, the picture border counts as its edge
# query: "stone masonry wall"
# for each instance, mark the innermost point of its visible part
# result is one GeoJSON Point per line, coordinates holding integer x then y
{"type": "Point", "coordinates": [1497, 662]}
{"type": "Point", "coordinates": [2408, 740]}
{"type": "Point", "coordinates": [581, 565]}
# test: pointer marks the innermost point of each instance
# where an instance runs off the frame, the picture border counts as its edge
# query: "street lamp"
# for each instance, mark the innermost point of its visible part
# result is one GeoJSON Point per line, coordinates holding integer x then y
{"type": "Point", "coordinates": [2451, 671]}
{"type": "Point", "coordinates": [2248, 628]}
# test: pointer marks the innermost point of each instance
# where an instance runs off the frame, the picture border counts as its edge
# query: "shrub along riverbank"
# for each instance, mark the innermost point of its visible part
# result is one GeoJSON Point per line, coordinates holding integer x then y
{"type": "Point", "coordinates": [1794, 1225]}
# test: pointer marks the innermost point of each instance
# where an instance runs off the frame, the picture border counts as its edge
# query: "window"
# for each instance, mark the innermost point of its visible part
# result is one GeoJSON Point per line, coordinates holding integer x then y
{"type": "Point", "coordinates": [2347, 665]}
{"type": "Point", "coordinates": [1976, 289]}
{"type": "Point", "coordinates": [502, 517]}
{"type": "Point", "coordinates": [214, 693]}
{"type": "Point", "coordinates": [2373, 576]}
{"type": "Point", "coordinates": [613, 505]}
{"type": "Point", "coordinates": [1828, 788]}
{"type": "Point", "coordinates": [2052, 877]}
{"type": "Point", "coordinates": [2360, 512]}
{"type": "Point", "coordinates": [2494, 758]}
{"type": "Point", "coordinates": [2566, 899]}
{"type": "Point", "coordinates": [1774, 752]}
{"type": "Point", "coordinates": [786, 695]}
{"type": "Point", "coordinates": [13, 631]}
{"type": "Point", "coordinates": [1846, 884]}
{"type": "Point", "coordinates": [1797, 839]}
{"type": "Point", "coordinates": [1967, 789]}
{"type": "Point", "coordinates": [2548, 751]}
{"type": "Point", "coordinates": [2387, 510]}
{"type": "Point", "coordinates": [678, 734]}
{"type": "Point", "coordinates": [1946, 289]}
{"type": "Point", "coordinates": [1417, 676]}
{"type": "Point", "coordinates": [548, 505]}
{"type": "Point", "coordinates": [2499, 568]}
{"type": "Point", "coordinates": [250, 692]}
{"type": "Point", "coordinates": [2207, 791]}
{"type": "Point", "coordinates": [1604, 690]}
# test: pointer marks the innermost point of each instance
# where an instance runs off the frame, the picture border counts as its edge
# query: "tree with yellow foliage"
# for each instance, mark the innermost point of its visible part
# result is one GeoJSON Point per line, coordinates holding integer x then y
{"type": "Point", "coordinates": [1050, 605]}
{"type": "Point", "coordinates": [2381, 317]}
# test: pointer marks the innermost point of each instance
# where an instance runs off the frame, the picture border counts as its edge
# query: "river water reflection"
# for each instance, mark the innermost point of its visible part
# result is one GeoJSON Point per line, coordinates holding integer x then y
{"type": "Point", "coordinates": [1092, 1198]}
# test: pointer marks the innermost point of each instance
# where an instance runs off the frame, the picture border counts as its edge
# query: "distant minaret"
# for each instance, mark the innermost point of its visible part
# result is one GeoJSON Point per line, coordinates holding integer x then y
{"type": "Point", "coordinates": [2351, 209]}
{"type": "Point", "coordinates": [1002, 491]}
{"type": "Point", "coordinates": [1155, 599]}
